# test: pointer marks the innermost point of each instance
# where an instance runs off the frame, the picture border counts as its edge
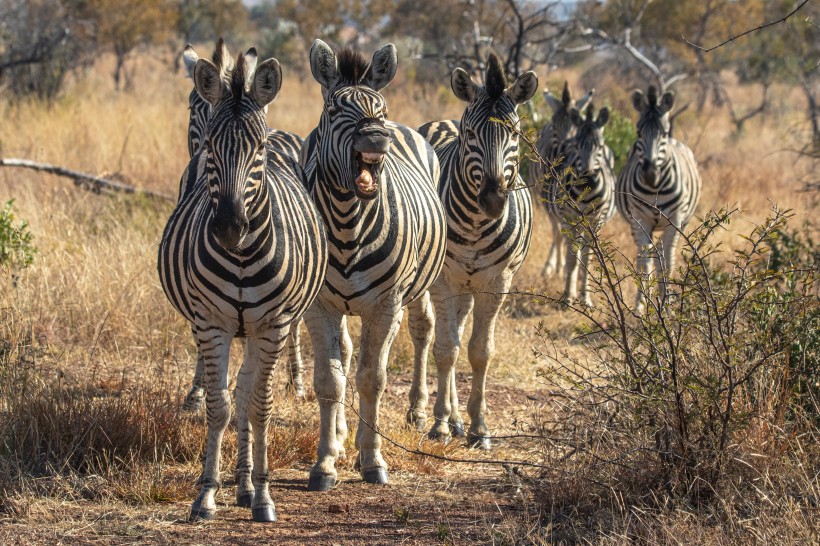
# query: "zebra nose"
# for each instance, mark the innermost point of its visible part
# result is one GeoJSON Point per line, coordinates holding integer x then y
{"type": "Point", "coordinates": [230, 225]}
{"type": "Point", "coordinates": [492, 198]}
{"type": "Point", "coordinates": [371, 136]}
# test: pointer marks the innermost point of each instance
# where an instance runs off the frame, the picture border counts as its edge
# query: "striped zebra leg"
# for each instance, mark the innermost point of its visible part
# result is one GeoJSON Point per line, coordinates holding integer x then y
{"type": "Point", "coordinates": [451, 316]}
{"type": "Point", "coordinates": [244, 462]}
{"type": "Point", "coordinates": [480, 351]}
{"type": "Point", "coordinates": [215, 346]}
{"type": "Point", "coordinates": [346, 355]}
{"type": "Point", "coordinates": [573, 258]}
{"type": "Point", "coordinates": [295, 367]}
{"type": "Point", "coordinates": [671, 237]}
{"type": "Point", "coordinates": [378, 333]}
{"type": "Point", "coordinates": [586, 254]}
{"type": "Point", "coordinates": [420, 321]}
{"type": "Point", "coordinates": [195, 400]}
{"type": "Point", "coordinates": [644, 265]}
{"type": "Point", "coordinates": [329, 382]}
{"type": "Point", "coordinates": [555, 261]}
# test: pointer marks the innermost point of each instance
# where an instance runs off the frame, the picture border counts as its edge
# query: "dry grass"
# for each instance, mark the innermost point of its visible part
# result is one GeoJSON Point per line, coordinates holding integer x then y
{"type": "Point", "coordinates": [94, 360]}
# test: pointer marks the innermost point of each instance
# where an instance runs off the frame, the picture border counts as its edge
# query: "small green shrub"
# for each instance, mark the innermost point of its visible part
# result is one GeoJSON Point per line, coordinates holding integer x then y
{"type": "Point", "coordinates": [17, 249]}
{"type": "Point", "coordinates": [619, 134]}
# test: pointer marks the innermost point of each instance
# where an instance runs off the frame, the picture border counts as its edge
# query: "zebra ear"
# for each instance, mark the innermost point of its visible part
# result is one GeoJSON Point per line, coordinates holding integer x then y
{"type": "Point", "coordinates": [463, 85]}
{"type": "Point", "coordinates": [603, 117]}
{"type": "Point", "coordinates": [667, 101]}
{"type": "Point", "coordinates": [267, 81]}
{"type": "Point", "coordinates": [189, 58]}
{"type": "Point", "coordinates": [207, 81]}
{"type": "Point", "coordinates": [639, 101]}
{"type": "Point", "coordinates": [382, 68]}
{"type": "Point", "coordinates": [251, 59]}
{"type": "Point", "coordinates": [554, 102]}
{"type": "Point", "coordinates": [582, 102]}
{"type": "Point", "coordinates": [575, 117]}
{"type": "Point", "coordinates": [323, 64]}
{"type": "Point", "coordinates": [524, 87]}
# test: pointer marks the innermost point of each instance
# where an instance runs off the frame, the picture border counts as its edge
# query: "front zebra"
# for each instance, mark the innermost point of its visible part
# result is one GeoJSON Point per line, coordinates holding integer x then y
{"type": "Point", "coordinates": [374, 184]}
{"type": "Point", "coordinates": [285, 143]}
{"type": "Point", "coordinates": [243, 255]}
{"type": "Point", "coordinates": [489, 225]}
{"type": "Point", "coordinates": [584, 199]}
{"type": "Point", "coordinates": [540, 176]}
{"type": "Point", "coordinates": [658, 188]}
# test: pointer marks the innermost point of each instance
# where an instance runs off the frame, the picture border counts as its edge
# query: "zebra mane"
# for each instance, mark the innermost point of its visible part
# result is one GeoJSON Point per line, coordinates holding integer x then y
{"type": "Point", "coordinates": [221, 57]}
{"type": "Point", "coordinates": [353, 66]}
{"type": "Point", "coordinates": [590, 112]}
{"type": "Point", "coordinates": [652, 96]}
{"type": "Point", "coordinates": [239, 77]}
{"type": "Point", "coordinates": [496, 79]}
{"type": "Point", "coordinates": [566, 96]}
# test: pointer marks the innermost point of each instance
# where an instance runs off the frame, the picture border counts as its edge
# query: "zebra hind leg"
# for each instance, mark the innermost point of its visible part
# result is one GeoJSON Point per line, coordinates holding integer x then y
{"type": "Point", "coordinates": [420, 321]}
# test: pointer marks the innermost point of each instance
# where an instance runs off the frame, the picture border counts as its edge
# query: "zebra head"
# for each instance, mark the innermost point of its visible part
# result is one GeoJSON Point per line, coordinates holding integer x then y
{"type": "Point", "coordinates": [588, 142]}
{"type": "Point", "coordinates": [235, 138]}
{"type": "Point", "coordinates": [560, 123]}
{"type": "Point", "coordinates": [653, 132]}
{"type": "Point", "coordinates": [489, 131]}
{"type": "Point", "coordinates": [353, 139]}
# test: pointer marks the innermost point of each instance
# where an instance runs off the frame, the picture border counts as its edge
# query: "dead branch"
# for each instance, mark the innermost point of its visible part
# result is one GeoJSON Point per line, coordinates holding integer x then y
{"type": "Point", "coordinates": [83, 180]}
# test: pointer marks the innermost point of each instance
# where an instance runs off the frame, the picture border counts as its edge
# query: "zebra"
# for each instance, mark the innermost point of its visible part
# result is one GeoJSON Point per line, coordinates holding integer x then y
{"type": "Point", "coordinates": [552, 135]}
{"type": "Point", "coordinates": [489, 226]}
{"type": "Point", "coordinates": [658, 188]}
{"type": "Point", "coordinates": [584, 200]}
{"type": "Point", "coordinates": [284, 142]}
{"type": "Point", "coordinates": [373, 182]}
{"type": "Point", "coordinates": [244, 254]}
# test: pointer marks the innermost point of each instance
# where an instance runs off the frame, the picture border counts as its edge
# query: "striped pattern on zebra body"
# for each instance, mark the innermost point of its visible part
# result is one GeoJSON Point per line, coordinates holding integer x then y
{"type": "Point", "coordinates": [584, 200]}
{"type": "Point", "coordinates": [658, 188]}
{"type": "Point", "coordinates": [489, 226]}
{"type": "Point", "coordinates": [283, 142]}
{"type": "Point", "coordinates": [244, 255]}
{"type": "Point", "coordinates": [541, 177]}
{"type": "Point", "coordinates": [374, 184]}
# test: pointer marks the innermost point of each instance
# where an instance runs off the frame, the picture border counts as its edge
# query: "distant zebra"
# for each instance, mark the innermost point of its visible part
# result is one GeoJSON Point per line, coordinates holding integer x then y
{"type": "Point", "coordinates": [584, 199]}
{"type": "Point", "coordinates": [658, 188]}
{"type": "Point", "coordinates": [554, 133]}
{"type": "Point", "coordinates": [244, 254]}
{"type": "Point", "coordinates": [374, 184]}
{"type": "Point", "coordinates": [288, 144]}
{"type": "Point", "coordinates": [489, 225]}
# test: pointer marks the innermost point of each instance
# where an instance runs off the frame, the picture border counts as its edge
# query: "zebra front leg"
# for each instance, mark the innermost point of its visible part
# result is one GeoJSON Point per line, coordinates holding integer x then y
{"type": "Point", "coordinates": [346, 355]}
{"type": "Point", "coordinates": [263, 353]}
{"type": "Point", "coordinates": [244, 464]}
{"type": "Point", "coordinates": [573, 255]}
{"type": "Point", "coordinates": [295, 383]}
{"type": "Point", "coordinates": [329, 383]}
{"type": "Point", "coordinates": [644, 265]}
{"type": "Point", "coordinates": [420, 321]}
{"type": "Point", "coordinates": [480, 351]}
{"type": "Point", "coordinates": [195, 400]}
{"type": "Point", "coordinates": [455, 421]}
{"type": "Point", "coordinates": [555, 261]}
{"type": "Point", "coordinates": [378, 333]}
{"type": "Point", "coordinates": [586, 253]}
{"type": "Point", "coordinates": [215, 346]}
{"type": "Point", "coordinates": [671, 236]}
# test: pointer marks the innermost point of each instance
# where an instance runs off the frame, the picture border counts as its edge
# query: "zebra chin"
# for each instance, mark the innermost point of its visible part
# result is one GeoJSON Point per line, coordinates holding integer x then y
{"type": "Point", "coordinates": [492, 202]}
{"type": "Point", "coordinates": [650, 177]}
{"type": "Point", "coordinates": [229, 230]}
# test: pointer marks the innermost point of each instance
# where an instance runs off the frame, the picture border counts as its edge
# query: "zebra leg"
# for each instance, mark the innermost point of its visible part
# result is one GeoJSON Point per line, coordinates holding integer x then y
{"type": "Point", "coordinates": [480, 351]}
{"type": "Point", "coordinates": [329, 383]}
{"type": "Point", "coordinates": [455, 421]}
{"type": "Point", "coordinates": [244, 464]}
{"type": "Point", "coordinates": [573, 255]}
{"type": "Point", "coordinates": [671, 236]}
{"type": "Point", "coordinates": [263, 353]}
{"type": "Point", "coordinates": [195, 400]}
{"type": "Point", "coordinates": [646, 252]}
{"type": "Point", "coordinates": [586, 252]}
{"type": "Point", "coordinates": [295, 383]}
{"type": "Point", "coordinates": [215, 346]}
{"type": "Point", "coordinates": [378, 333]}
{"type": "Point", "coordinates": [346, 354]}
{"type": "Point", "coordinates": [555, 261]}
{"type": "Point", "coordinates": [420, 321]}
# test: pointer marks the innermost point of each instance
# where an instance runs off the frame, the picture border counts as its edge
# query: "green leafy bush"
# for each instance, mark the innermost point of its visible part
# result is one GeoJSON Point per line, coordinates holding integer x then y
{"type": "Point", "coordinates": [619, 134]}
{"type": "Point", "coordinates": [16, 247]}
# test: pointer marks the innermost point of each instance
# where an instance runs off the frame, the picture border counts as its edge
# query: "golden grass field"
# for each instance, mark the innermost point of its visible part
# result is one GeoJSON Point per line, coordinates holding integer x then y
{"type": "Point", "coordinates": [90, 315]}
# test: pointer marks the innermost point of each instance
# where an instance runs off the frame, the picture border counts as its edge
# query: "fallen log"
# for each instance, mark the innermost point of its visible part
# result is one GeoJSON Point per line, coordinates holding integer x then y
{"type": "Point", "coordinates": [83, 180]}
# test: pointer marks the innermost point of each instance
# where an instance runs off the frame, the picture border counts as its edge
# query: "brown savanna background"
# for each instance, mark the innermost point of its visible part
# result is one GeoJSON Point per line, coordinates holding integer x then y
{"type": "Point", "coordinates": [94, 362]}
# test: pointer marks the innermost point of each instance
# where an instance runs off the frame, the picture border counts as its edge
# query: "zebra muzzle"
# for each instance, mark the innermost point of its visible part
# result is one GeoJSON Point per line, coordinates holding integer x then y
{"type": "Point", "coordinates": [369, 165]}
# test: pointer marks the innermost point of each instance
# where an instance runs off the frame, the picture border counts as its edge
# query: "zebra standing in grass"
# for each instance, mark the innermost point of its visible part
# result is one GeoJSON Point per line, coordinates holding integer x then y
{"type": "Point", "coordinates": [244, 254]}
{"type": "Point", "coordinates": [584, 200]}
{"type": "Point", "coordinates": [374, 184]}
{"type": "Point", "coordinates": [658, 188]}
{"type": "Point", "coordinates": [489, 225]}
{"type": "Point", "coordinates": [288, 144]}
{"type": "Point", "coordinates": [554, 133]}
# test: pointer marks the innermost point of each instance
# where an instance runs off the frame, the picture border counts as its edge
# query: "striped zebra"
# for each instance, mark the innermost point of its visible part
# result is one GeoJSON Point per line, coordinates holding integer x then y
{"type": "Point", "coordinates": [584, 200]}
{"type": "Point", "coordinates": [288, 144]}
{"type": "Point", "coordinates": [373, 181]}
{"type": "Point", "coordinates": [244, 254]}
{"type": "Point", "coordinates": [658, 188]}
{"type": "Point", "coordinates": [540, 176]}
{"type": "Point", "coordinates": [489, 225]}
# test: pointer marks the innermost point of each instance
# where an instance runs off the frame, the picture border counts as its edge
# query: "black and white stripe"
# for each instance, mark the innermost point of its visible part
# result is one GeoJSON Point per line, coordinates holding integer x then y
{"type": "Point", "coordinates": [658, 188]}
{"type": "Point", "coordinates": [374, 184]}
{"type": "Point", "coordinates": [489, 225]}
{"type": "Point", "coordinates": [584, 199]}
{"type": "Point", "coordinates": [243, 255]}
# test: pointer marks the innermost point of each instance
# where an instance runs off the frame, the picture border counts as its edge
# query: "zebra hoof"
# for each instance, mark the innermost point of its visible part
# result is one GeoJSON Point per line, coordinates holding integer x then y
{"type": "Point", "coordinates": [457, 429]}
{"type": "Point", "coordinates": [375, 475]}
{"type": "Point", "coordinates": [437, 436]}
{"type": "Point", "coordinates": [244, 500]}
{"type": "Point", "coordinates": [417, 421]}
{"type": "Point", "coordinates": [193, 404]}
{"type": "Point", "coordinates": [479, 442]}
{"type": "Point", "coordinates": [201, 514]}
{"type": "Point", "coordinates": [264, 514]}
{"type": "Point", "coordinates": [296, 390]}
{"type": "Point", "coordinates": [321, 482]}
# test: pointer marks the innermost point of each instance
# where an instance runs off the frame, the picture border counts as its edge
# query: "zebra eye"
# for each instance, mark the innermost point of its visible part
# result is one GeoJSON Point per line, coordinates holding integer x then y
{"type": "Point", "coordinates": [470, 134]}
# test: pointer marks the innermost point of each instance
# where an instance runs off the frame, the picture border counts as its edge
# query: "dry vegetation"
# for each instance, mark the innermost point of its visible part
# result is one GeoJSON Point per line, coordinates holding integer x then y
{"type": "Point", "coordinates": [94, 362]}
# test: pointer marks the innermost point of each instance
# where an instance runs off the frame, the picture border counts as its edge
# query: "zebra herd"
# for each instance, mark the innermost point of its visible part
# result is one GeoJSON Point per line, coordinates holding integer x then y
{"type": "Point", "coordinates": [368, 217]}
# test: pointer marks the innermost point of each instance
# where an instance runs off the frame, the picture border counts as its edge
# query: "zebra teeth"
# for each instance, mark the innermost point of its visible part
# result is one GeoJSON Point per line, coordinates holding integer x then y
{"type": "Point", "coordinates": [372, 157]}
